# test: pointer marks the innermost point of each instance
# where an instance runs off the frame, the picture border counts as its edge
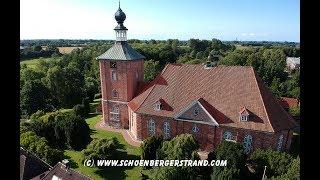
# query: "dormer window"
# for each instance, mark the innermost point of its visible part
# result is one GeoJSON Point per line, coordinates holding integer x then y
{"type": "Point", "coordinates": [244, 117]}
{"type": "Point", "coordinates": [157, 106]}
{"type": "Point", "coordinates": [244, 114]}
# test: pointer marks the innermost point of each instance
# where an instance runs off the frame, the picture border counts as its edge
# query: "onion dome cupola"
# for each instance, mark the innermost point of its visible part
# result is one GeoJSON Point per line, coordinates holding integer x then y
{"type": "Point", "coordinates": [121, 30]}
{"type": "Point", "coordinates": [121, 50]}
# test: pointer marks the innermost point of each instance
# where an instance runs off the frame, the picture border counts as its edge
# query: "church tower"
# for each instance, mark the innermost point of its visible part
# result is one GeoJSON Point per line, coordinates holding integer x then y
{"type": "Point", "coordinates": [121, 69]}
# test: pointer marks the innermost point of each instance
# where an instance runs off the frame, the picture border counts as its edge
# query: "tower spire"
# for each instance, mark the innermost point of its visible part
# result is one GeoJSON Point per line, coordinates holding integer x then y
{"type": "Point", "coordinates": [121, 30]}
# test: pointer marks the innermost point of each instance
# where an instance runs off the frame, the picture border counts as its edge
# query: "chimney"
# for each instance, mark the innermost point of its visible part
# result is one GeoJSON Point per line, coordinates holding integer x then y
{"type": "Point", "coordinates": [65, 162]}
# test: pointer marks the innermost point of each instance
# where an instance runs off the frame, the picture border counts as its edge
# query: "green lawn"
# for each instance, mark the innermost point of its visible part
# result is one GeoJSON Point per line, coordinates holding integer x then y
{"type": "Point", "coordinates": [129, 152]}
{"type": "Point", "coordinates": [33, 62]}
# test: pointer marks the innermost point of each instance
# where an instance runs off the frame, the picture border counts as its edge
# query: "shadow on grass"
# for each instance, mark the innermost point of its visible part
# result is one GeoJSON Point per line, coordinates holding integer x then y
{"type": "Point", "coordinates": [117, 172]}
{"type": "Point", "coordinates": [93, 131]}
{"type": "Point", "coordinates": [72, 163]}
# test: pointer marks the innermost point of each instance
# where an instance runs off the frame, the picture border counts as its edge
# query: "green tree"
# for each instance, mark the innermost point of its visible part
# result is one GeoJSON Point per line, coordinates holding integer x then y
{"type": "Point", "coordinates": [91, 87]}
{"type": "Point", "coordinates": [277, 162]}
{"type": "Point", "coordinates": [150, 70]}
{"type": "Point", "coordinates": [234, 154]}
{"type": "Point", "coordinates": [102, 148]}
{"type": "Point", "coordinates": [180, 147]}
{"type": "Point", "coordinates": [150, 146]}
{"type": "Point", "coordinates": [39, 146]}
{"type": "Point", "coordinates": [73, 129]}
{"type": "Point", "coordinates": [34, 96]}
{"type": "Point", "coordinates": [79, 110]}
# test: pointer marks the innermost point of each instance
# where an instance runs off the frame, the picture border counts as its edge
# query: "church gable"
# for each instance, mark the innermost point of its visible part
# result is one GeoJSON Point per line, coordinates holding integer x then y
{"type": "Point", "coordinates": [196, 112]}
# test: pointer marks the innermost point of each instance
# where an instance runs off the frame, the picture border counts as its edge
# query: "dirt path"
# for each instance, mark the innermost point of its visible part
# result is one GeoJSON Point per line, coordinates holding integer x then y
{"type": "Point", "coordinates": [125, 133]}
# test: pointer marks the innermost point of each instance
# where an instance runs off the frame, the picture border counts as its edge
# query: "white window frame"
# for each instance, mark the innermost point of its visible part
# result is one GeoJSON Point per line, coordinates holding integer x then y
{"type": "Point", "coordinates": [227, 136]}
{"type": "Point", "coordinates": [166, 129]}
{"type": "Point", "coordinates": [151, 127]}
{"type": "Point", "coordinates": [114, 76]}
{"type": "Point", "coordinates": [115, 117]}
{"type": "Point", "coordinates": [280, 142]}
{"type": "Point", "coordinates": [244, 117]}
{"type": "Point", "coordinates": [157, 106]}
{"type": "Point", "coordinates": [115, 109]}
{"type": "Point", "coordinates": [195, 129]}
{"type": "Point", "coordinates": [247, 143]}
{"type": "Point", "coordinates": [115, 92]}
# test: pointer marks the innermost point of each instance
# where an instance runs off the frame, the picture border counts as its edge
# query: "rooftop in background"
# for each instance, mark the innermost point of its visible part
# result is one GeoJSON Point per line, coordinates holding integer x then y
{"type": "Point", "coordinates": [60, 171]}
{"type": "Point", "coordinates": [295, 60]}
{"type": "Point", "coordinates": [31, 165]}
{"type": "Point", "coordinates": [287, 102]}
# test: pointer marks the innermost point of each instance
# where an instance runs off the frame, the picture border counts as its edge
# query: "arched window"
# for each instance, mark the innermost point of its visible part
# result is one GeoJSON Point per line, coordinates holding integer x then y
{"type": "Point", "coordinates": [114, 75]}
{"type": "Point", "coordinates": [247, 143]}
{"type": "Point", "coordinates": [152, 127]}
{"type": "Point", "coordinates": [227, 136]}
{"type": "Point", "coordinates": [115, 93]}
{"type": "Point", "coordinates": [280, 141]}
{"type": "Point", "coordinates": [166, 130]}
{"type": "Point", "coordinates": [195, 128]}
{"type": "Point", "coordinates": [115, 109]}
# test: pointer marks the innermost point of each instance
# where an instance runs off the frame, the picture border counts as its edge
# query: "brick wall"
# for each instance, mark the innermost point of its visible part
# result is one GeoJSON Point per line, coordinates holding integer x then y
{"type": "Point", "coordinates": [210, 136]}
{"type": "Point", "coordinates": [128, 74]}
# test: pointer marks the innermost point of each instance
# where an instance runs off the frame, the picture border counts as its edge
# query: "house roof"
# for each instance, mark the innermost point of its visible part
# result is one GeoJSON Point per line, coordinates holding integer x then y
{"type": "Point", "coordinates": [121, 50]}
{"type": "Point", "coordinates": [31, 165]}
{"type": "Point", "coordinates": [287, 102]}
{"type": "Point", "coordinates": [295, 60]}
{"type": "Point", "coordinates": [62, 172]}
{"type": "Point", "coordinates": [223, 89]}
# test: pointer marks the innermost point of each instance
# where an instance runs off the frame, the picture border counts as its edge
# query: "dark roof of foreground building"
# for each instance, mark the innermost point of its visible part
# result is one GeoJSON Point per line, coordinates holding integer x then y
{"type": "Point", "coordinates": [31, 165]}
{"type": "Point", "coordinates": [222, 92]}
{"type": "Point", "coordinates": [62, 172]}
{"type": "Point", "coordinates": [121, 50]}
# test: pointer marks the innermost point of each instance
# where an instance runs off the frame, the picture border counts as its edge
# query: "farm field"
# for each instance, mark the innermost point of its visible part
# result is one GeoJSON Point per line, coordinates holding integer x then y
{"type": "Point", "coordinates": [67, 50]}
{"type": "Point", "coordinates": [129, 152]}
{"type": "Point", "coordinates": [33, 62]}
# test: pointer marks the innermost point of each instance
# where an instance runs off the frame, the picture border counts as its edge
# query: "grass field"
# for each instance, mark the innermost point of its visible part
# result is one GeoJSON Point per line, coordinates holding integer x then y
{"type": "Point", "coordinates": [129, 152]}
{"type": "Point", "coordinates": [33, 62]}
{"type": "Point", "coordinates": [67, 50]}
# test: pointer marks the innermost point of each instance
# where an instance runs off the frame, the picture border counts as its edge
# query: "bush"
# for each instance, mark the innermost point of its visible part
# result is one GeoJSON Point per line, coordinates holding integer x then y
{"type": "Point", "coordinates": [39, 146]}
{"type": "Point", "coordinates": [98, 96]}
{"type": "Point", "coordinates": [72, 130]}
{"type": "Point", "coordinates": [86, 105]}
{"type": "Point", "coordinates": [79, 110]}
{"type": "Point", "coordinates": [150, 146]}
{"type": "Point", "coordinates": [234, 154]}
{"type": "Point", "coordinates": [277, 162]}
{"type": "Point", "coordinates": [104, 148]}
{"type": "Point", "coordinates": [180, 147]}
{"type": "Point", "coordinates": [61, 129]}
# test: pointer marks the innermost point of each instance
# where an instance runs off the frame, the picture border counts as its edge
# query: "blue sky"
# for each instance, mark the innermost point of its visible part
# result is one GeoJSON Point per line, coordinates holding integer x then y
{"type": "Point", "coordinates": [270, 20]}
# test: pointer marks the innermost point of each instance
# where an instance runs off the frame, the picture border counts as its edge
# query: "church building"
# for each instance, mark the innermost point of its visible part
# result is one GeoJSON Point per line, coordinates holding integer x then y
{"type": "Point", "coordinates": [213, 103]}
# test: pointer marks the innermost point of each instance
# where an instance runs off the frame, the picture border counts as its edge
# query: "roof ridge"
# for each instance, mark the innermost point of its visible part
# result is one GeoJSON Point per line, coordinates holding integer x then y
{"type": "Point", "coordinates": [35, 156]}
{"type": "Point", "coordinates": [152, 87]}
{"type": "Point", "coordinates": [260, 95]}
{"type": "Point", "coordinates": [76, 171]}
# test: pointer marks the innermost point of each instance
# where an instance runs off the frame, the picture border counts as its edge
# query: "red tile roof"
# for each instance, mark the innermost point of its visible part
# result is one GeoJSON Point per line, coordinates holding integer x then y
{"type": "Point", "coordinates": [287, 102]}
{"type": "Point", "coordinates": [224, 90]}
